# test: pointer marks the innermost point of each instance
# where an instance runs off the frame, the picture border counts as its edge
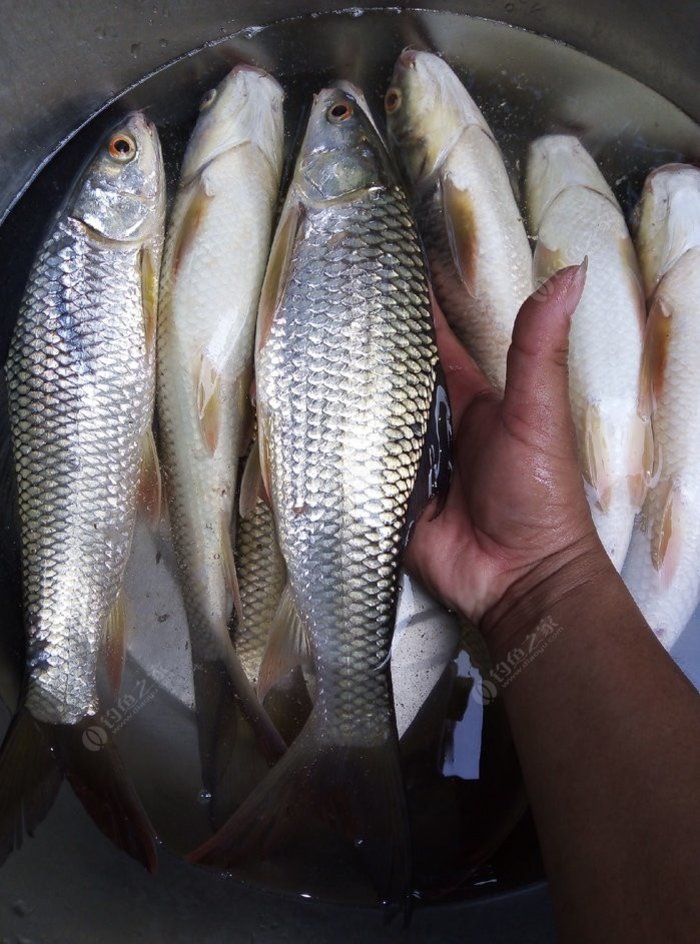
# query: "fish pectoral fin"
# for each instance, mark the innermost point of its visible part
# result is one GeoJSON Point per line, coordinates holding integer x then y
{"type": "Point", "coordinates": [667, 540]}
{"type": "Point", "coordinates": [595, 460]}
{"type": "Point", "coordinates": [356, 788]}
{"type": "Point", "coordinates": [190, 225]}
{"type": "Point", "coordinates": [150, 481]}
{"type": "Point", "coordinates": [115, 645]}
{"type": "Point", "coordinates": [252, 485]}
{"type": "Point", "coordinates": [462, 235]}
{"type": "Point", "coordinates": [279, 268]}
{"type": "Point", "coordinates": [657, 337]}
{"type": "Point", "coordinates": [209, 402]}
{"type": "Point", "coordinates": [148, 268]}
{"type": "Point", "coordinates": [287, 645]}
{"type": "Point", "coordinates": [546, 261]}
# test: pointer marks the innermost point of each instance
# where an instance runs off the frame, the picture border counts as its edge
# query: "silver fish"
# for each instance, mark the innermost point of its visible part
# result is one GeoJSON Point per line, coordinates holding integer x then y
{"type": "Point", "coordinates": [80, 376]}
{"type": "Point", "coordinates": [478, 251]}
{"type": "Point", "coordinates": [346, 368]}
{"type": "Point", "coordinates": [662, 569]}
{"type": "Point", "coordinates": [216, 248]}
{"type": "Point", "coordinates": [574, 214]}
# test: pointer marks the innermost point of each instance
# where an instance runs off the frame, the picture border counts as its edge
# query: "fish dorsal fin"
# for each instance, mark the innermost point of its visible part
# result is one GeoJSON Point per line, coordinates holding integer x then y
{"type": "Point", "coordinates": [595, 457]}
{"type": "Point", "coordinates": [279, 268]}
{"type": "Point", "coordinates": [287, 645]}
{"type": "Point", "coordinates": [666, 542]}
{"type": "Point", "coordinates": [150, 483]}
{"type": "Point", "coordinates": [655, 354]}
{"type": "Point", "coordinates": [148, 269]}
{"type": "Point", "coordinates": [252, 486]}
{"type": "Point", "coordinates": [460, 223]}
{"type": "Point", "coordinates": [115, 645]}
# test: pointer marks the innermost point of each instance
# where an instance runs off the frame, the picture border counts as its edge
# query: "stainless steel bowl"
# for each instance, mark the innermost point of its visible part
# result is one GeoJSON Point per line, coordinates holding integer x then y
{"type": "Point", "coordinates": [60, 65]}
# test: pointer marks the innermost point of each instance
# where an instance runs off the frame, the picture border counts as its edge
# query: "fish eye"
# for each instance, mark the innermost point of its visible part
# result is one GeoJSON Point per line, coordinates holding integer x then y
{"type": "Point", "coordinates": [122, 147]}
{"type": "Point", "coordinates": [208, 100]}
{"type": "Point", "coordinates": [339, 112]}
{"type": "Point", "coordinates": [392, 100]}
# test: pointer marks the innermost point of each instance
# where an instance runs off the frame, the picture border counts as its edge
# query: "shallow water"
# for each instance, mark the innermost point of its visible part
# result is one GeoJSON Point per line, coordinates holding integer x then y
{"type": "Point", "coordinates": [461, 771]}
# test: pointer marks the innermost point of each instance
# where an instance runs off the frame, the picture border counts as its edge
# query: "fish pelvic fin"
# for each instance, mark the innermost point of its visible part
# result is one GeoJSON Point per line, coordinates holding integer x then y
{"type": "Point", "coordinates": [595, 457]}
{"type": "Point", "coordinates": [150, 482]}
{"type": "Point", "coordinates": [287, 645]}
{"type": "Point", "coordinates": [30, 777]}
{"type": "Point", "coordinates": [95, 771]}
{"type": "Point", "coordinates": [667, 542]}
{"type": "Point", "coordinates": [356, 790]}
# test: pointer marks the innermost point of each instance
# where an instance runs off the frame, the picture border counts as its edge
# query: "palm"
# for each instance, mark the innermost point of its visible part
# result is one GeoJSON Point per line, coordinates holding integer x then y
{"type": "Point", "coordinates": [516, 495]}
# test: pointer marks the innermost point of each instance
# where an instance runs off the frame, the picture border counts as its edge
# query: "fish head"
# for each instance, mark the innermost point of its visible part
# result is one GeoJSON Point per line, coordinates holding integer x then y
{"type": "Point", "coordinates": [556, 162]}
{"type": "Point", "coordinates": [245, 107]}
{"type": "Point", "coordinates": [342, 154]}
{"type": "Point", "coordinates": [667, 220]}
{"type": "Point", "coordinates": [121, 195]}
{"type": "Point", "coordinates": [427, 109]}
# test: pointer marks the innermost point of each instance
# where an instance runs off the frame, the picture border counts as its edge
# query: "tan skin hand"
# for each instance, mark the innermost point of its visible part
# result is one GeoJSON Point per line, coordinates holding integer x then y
{"type": "Point", "coordinates": [516, 497]}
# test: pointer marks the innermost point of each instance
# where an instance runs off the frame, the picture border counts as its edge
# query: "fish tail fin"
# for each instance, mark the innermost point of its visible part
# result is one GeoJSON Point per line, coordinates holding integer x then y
{"type": "Point", "coordinates": [237, 742]}
{"type": "Point", "coordinates": [95, 771]}
{"type": "Point", "coordinates": [355, 788]}
{"type": "Point", "coordinates": [30, 777]}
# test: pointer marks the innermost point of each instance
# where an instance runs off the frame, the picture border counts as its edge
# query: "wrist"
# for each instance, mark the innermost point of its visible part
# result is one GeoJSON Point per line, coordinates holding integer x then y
{"type": "Point", "coordinates": [566, 578]}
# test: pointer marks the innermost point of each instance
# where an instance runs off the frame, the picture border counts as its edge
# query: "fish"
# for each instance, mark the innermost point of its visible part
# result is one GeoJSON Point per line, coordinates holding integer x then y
{"type": "Point", "coordinates": [574, 215]}
{"type": "Point", "coordinates": [216, 248]}
{"type": "Point", "coordinates": [478, 252]}
{"type": "Point", "coordinates": [346, 371]}
{"type": "Point", "coordinates": [80, 377]}
{"type": "Point", "coordinates": [662, 570]}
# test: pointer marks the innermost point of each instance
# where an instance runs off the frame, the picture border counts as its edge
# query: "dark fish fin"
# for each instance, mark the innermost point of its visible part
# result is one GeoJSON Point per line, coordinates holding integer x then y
{"type": "Point", "coordinates": [95, 771]}
{"type": "Point", "coordinates": [233, 762]}
{"type": "Point", "coordinates": [237, 740]}
{"type": "Point", "coordinates": [435, 469]}
{"type": "Point", "coordinates": [29, 780]}
{"type": "Point", "coordinates": [287, 645]}
{"type": "Point", "coordinates": [355, 789]}
{"type": "Point", "coordinates": [289, 704]}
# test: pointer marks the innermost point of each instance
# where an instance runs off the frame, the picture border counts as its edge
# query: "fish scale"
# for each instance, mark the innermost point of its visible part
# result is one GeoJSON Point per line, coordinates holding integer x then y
{"type": "Point", "coordinates": [77, 525]}
{"type": "Point", "coordinates": [343, 429]}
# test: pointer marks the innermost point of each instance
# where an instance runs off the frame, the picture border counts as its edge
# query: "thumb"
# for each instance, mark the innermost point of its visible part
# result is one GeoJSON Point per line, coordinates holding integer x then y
{"type": "Point", "coordinates": [536, 396]}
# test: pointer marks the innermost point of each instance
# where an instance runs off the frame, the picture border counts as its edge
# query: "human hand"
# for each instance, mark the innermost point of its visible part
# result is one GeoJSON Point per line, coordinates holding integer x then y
{"type": "Point", "coordinates": [516, 511]}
